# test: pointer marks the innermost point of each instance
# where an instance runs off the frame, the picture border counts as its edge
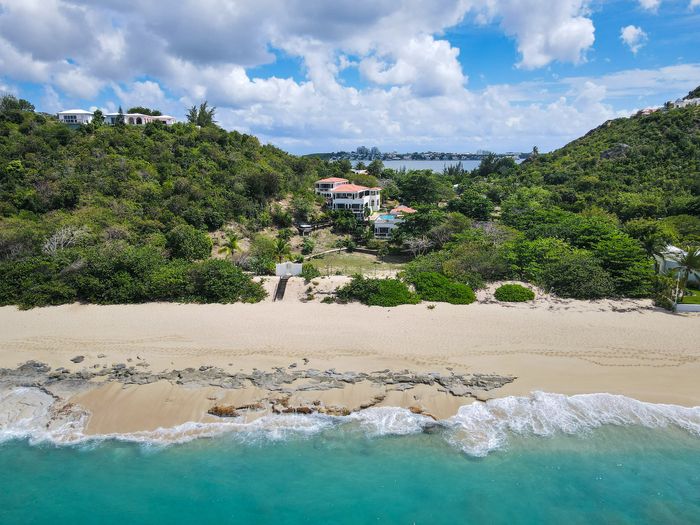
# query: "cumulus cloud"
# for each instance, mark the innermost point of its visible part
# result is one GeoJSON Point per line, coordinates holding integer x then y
{"type": "Point", "coordinates": [633, 37]}
{"type": "Point", "coordinates": [412, 91]}
{"type": "Point", "coordinates": [545, 31]}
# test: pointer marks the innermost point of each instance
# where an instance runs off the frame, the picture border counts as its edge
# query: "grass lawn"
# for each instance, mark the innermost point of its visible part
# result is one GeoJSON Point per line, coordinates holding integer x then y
{"type": "Point", "coordinates": [352, 263]}
{"type": "Point", "coordinates": [691, 297]}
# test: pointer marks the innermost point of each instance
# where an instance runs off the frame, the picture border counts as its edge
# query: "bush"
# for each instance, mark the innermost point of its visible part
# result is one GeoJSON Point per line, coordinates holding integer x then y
{"type": "Point", "coordinates": [514, 293]}
{"type": "Point", "coordinates": [307, 246]}
{"type": "Point", "coordinates": [432, 286]}
{"type": "Point", "coordinates": [189, 243]}
{"type": "Point", "coordinates": [221, 282]}
{"type": "Point", "coordinates": [578, 275]}
{"type": "Point", "coordinates": [377, 292]}
{"type": "Point", "coordinates": [309, 272]}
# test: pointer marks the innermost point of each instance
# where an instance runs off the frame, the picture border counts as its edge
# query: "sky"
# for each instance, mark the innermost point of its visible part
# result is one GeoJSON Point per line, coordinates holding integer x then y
{"type": "Point", "coordinates": [331, 75]}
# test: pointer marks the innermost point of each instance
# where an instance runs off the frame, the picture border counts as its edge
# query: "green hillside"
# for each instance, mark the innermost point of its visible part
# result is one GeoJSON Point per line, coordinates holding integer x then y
{"type": "Point", "coordinates": [644, 166]}
{"type": "Point", "coordinates": [115, 214]}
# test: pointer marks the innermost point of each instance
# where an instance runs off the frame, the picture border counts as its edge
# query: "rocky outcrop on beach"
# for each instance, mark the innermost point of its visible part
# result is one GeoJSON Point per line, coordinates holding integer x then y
{"type": "Point", "coordinates": [283, 386]}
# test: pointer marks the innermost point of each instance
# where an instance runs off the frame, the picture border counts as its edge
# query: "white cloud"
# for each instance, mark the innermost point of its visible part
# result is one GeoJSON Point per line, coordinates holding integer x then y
{"type": "Point", "coordinates": [169, 55]}
{"type": "Point", "coordinates": [634, 37]}
{"type": "Point", "coordinates": [650, 5]}
{"type": "Point", "coordinates": [545, 31]}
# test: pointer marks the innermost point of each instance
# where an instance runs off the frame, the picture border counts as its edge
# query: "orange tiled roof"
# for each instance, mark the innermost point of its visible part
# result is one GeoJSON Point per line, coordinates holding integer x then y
{"type": "Point", "coordinates": [349, 188]}
{"type": "Point", "coordinates": [403, 209]}
{"type": "Point", "coordinates": [333, 179]}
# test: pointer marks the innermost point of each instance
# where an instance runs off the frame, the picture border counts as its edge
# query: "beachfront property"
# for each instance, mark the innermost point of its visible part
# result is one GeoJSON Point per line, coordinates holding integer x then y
{"type": "Point", "coordinates": [324, 187]}
{"type": "Point", "coordinates": [385, 224]}
{"type": "Point", "coordinates": [357, 199]}
{"type": "Point", "coordinates": [75, 117]}
{"type": "Point", "coordinates": [78, 117]}
{"type": "Point", "coordinates": [341, 195]}
{"type": "Point", "coordinates": [668, 261]}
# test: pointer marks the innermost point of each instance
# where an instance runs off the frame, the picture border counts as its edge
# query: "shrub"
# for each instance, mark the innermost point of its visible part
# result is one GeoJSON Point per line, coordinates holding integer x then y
{"type": "Point", "coordinates": [578, 275]}
{"type": "Point", "coordinates": [189, 243]}
{"type": "Point", "coordinates": [513, 293]}
{"type": "Point", "coordinates": [222, 282]}
{"type": "Point", "coordinates": [309, 272]}
{"type": "Point", "coordinates": [377, 292]}
{"type": "Point", "coordinates": [432, 286]}
{"type": "Point", "coordinates": [307, 246]}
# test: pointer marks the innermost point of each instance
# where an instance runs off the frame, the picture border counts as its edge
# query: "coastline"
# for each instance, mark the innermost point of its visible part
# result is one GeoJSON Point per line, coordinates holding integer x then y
{"type": "Point", "coordinates": [162, 365]}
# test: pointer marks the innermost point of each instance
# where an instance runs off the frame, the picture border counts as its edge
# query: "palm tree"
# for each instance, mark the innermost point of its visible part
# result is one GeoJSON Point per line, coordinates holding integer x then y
{"type": "Point", "coordinates": [231, 244]}
{"type": "Point", "coordinates": [281, 249]}
{"type": "Point", "coordinates": [688, 263]}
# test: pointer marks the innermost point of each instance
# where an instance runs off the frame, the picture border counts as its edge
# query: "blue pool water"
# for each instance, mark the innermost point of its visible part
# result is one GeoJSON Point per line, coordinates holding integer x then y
{"type": "Point", "coordinates": [348, 471]}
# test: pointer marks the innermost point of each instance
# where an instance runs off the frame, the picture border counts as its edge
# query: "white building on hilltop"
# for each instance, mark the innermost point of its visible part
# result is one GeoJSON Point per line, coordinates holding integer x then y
{"type": "Point", "coordinates": [75, 116]}
{"type": "Point", "coordinates": [686, 102]}
{"type": "Point", "coordinates": [139, 119]}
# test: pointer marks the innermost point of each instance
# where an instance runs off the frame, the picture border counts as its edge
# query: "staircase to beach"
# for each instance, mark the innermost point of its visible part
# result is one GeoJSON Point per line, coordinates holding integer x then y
{"type": "Point", "coordinates": [281, 288]}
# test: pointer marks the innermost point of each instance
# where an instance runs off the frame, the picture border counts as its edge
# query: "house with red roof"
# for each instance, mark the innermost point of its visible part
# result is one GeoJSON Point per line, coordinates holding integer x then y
{"type": "Point", "coordinates": [325, 186]}
{"type": "Point", "coordinates": [357, 199]}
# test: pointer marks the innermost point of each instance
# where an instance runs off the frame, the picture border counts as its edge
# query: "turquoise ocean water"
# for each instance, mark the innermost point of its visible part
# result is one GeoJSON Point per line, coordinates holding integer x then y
{"type": "Point", "coordinates": [348, 471]}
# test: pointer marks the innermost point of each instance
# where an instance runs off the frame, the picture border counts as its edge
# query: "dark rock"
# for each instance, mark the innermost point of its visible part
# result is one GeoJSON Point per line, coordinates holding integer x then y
{"type": "Point", "coordinates": [78, 359]}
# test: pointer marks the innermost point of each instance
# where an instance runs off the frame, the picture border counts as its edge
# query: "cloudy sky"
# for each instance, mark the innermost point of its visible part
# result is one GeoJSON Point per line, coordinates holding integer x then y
{"type": "Point", "coordinates": [325, 75]}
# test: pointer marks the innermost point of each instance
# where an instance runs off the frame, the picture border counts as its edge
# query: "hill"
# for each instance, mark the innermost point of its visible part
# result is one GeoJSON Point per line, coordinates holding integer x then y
{"type": "Point", "coordinates": [97, 213]}
{"type": "Point", "coordinates": [643, 166]}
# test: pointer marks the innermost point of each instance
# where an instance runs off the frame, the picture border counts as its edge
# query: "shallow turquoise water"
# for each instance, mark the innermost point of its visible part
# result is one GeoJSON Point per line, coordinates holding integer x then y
{"type": "Point", "coordinates": [340, 475]}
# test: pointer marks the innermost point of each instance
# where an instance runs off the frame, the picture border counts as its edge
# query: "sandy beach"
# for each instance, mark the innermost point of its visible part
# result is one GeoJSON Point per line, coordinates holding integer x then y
{"type": "Point", "coordinates": [568, 347]}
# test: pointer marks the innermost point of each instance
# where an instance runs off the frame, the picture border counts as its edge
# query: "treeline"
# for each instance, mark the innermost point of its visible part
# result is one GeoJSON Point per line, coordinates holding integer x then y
{"type": "Point", "coordinates": [93, 213]}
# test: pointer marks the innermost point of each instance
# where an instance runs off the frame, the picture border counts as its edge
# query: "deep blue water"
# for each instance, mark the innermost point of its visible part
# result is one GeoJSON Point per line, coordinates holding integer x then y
{"type": "Point", "coordinates": [613, 474]}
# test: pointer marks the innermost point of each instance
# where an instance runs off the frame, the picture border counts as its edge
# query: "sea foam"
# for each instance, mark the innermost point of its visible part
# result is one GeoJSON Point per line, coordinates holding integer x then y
{"type": "Point", "coordinates": [477, 429]}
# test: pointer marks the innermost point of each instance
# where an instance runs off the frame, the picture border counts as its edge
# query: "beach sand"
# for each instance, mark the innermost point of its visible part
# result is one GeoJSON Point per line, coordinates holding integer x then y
{"type": "Point", "coordinates": [568, 347]}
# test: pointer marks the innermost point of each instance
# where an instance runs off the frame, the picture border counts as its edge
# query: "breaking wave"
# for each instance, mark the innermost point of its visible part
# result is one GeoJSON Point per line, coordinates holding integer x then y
{"type": "Point", "coordinates": [477, 429]}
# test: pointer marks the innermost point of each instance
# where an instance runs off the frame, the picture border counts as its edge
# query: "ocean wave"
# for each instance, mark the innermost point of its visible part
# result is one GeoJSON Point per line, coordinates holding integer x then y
{"type": "Point", "coordinates": [480, 428]}
{"type": "Point", "coordinates": [477, 429]}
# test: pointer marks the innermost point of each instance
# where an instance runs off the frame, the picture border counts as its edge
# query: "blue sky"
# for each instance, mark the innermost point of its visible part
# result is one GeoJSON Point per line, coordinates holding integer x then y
{"type": "Point", "coordinates": [322, 75]}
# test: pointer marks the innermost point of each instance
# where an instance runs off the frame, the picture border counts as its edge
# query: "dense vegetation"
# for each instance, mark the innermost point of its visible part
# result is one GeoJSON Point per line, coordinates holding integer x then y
{"type": "Point", "coordinates": [113, 214]}
{"type": "Point", "coordinates": [120, 213]}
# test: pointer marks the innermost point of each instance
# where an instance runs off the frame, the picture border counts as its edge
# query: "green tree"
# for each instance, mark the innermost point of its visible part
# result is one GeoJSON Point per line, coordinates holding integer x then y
{"type": "Point", "coordinates": [375, 168]}
{"type": "Point", "coordinates": [578, 275]}
{"type": "Point", "coordinates": [202, 115]}
{"type": "Point", "coordinates": [98, 118]}
{"type": "Point", "coordinates": [187, 242]}
{"type": "Point", "coordinates": [472, 203]}
{"type": "Point", "coordinates": [282, 249]}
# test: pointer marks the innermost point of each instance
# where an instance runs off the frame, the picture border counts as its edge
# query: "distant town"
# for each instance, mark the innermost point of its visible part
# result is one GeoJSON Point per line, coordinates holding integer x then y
{"type": "Point", "coordinates": [368, 154]}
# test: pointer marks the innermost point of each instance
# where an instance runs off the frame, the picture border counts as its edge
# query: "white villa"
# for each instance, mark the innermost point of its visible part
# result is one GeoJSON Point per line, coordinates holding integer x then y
{"type": "Point", "coordinates": [75, 116]}
{"type": "Point", "coordinates": [324, 187]}
{"type": "Point", "coordinates": [385, 224]}
{"type": "Point", "coordinates": [341, 195]}
{"type": "Point", "coordinates": [80, 117]}
{"type": "Point", "coordinates": [686, 102]}
{"type": "Point", "coordinates": [139, 119]}
{"type": "Point", "coordinates": [356, 198]}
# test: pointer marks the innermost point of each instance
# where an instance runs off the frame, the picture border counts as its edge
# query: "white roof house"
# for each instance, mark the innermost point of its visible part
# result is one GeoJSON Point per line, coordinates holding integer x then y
{"type": "Point", "coordinates": [75, 116]}
{"type": "Point", "coordinates": [668, 261]}
{"type": "Point", "coordinates": [139, 119]}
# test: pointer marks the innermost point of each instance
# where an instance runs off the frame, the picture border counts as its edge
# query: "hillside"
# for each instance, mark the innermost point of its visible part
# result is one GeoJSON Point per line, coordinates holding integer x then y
{"type": "Point", "coordinates": [96, 213]}
{"type": "Point", "coordinates": [644, 166]}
